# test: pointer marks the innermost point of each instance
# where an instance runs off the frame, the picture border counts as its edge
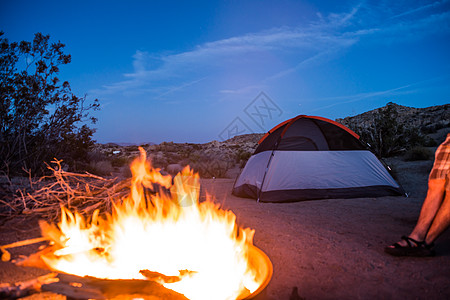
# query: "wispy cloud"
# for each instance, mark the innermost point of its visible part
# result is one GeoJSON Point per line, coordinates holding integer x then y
{"type": "Point", "coordinates": [419, 9]}
{"type": "Point", "coordinates": [401, 18]}
{"type": "Point", "coordinates": [179, 87]}
{"type": "Point", "coordinates": [362, 96]}
{"type": "Point", "coordinates": [310, 42]}
{"type": "Point", "coordinates": [295, 47]}
{"type": "Point", "coordinates": [321, 56]}
{"type": "Point", "coordinates": [401, 90]}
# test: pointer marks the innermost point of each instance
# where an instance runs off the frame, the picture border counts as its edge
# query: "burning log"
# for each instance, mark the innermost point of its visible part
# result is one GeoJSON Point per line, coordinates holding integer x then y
{"type": "Point", "coordinates": [25, 288]}
{"type": "Point", "coordinates": [93, 288]}
{"type": "Point", "coordinates": [76, 287]}
{"type": "Point", "coordinates": [158, 277]}
{"type": "Point", "coordinates": [6, 256]}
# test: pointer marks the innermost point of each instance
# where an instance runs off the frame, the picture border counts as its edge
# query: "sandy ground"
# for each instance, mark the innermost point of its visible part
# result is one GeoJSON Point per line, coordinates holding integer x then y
{"type": "Point", "coordinates": [328, 249]}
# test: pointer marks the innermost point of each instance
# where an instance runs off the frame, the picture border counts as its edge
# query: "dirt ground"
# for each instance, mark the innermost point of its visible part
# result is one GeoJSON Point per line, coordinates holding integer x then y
{"type": "Point", "coordinates": [328, 249]}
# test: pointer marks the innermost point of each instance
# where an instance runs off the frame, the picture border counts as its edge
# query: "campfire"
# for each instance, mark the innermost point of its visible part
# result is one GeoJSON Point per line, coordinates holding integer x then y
{"type": "Point", "coordinates": [162, 233]}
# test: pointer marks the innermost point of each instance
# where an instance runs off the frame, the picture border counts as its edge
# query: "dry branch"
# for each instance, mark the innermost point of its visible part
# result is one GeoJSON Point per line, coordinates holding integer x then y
{"type": "Point", "coordinates": [83, 192]}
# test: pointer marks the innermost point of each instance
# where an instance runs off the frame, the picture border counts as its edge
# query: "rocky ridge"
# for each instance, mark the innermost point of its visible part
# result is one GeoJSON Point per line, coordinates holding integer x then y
{"type": "Point", "coordinates": [212, 159]}
{"type": "Point", "coordinates": [429, 119]}
{"type": "Point", "coordinates": [225, 158]}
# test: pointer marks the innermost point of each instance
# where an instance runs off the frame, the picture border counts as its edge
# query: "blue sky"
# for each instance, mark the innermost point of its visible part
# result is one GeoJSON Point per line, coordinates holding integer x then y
{"type": "Point", "coordinates": [198, 71]}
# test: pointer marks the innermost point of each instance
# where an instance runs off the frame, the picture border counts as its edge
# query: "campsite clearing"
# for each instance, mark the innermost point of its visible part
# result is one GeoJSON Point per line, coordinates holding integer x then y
{"type": "Point", "coordinates": [328, 249]}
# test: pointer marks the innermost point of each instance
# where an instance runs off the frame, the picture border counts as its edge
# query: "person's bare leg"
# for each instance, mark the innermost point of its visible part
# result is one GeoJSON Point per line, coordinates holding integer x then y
{"type": "Point", "coordinates": [429, 209]}
{"type": "Point", "coordinates": [441, 222]}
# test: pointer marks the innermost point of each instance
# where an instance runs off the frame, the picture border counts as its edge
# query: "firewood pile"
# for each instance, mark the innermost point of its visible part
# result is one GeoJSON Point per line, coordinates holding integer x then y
{"type": "Point", "coordinates": [82, 192]}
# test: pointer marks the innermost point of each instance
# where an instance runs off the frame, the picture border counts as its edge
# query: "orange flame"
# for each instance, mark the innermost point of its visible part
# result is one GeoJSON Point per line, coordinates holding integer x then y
{"type": "Point", "coordinates": [194, 248]}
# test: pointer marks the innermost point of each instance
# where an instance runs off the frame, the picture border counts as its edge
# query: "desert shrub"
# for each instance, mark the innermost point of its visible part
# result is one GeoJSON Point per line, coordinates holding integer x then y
{"type": "Point", "coordinates": [242, 155]}
{"type": "Point", "coordinates": [102, 168]}
{"type": "Point", "coordinates": [40, 117]}
{"type": "Point", "coordinates": [172, 157]}
{"type": "Point", "coordinates": [418, 153]}
{"type": "Point", "coordinates": [211, 167]}
{"type": "Point", "coordinates": [195, 157]}
{"type": "Point", "coordinates": [95, 156]}
{"type": "Point", "coordinates": [168, 147]}
{"type": "Point", "coordinates": [387, 136]}
{"type": "Point", "coordinates": [125, 172]}
{"type": "Point", "coordinates": [429, 142]}
{"type": "Point", "coordinates": [120, 161]}
{"type": "Point", "coordinates": [427, 129]}
{"type": "Point", "coordinates": [131, 149]}
{"type": "Point", "coordinates": [186, 162]}
{"type": "Point", "coordinates": [158, 160]}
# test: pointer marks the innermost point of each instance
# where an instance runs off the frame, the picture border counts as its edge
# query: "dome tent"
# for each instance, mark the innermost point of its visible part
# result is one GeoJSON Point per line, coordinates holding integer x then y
{"type": "Point", "coordinates": [308, 157]}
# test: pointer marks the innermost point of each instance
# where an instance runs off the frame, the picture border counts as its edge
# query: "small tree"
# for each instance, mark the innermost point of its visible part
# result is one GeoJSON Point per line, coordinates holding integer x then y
{"type": "Point", "coordinates": [39, 115]}
{"type": "Point", "coordinates": [386, 136]}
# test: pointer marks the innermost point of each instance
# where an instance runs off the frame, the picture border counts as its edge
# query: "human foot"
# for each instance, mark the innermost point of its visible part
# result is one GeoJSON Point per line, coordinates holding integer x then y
{"type": "Point", "coordinates": [410, 247]}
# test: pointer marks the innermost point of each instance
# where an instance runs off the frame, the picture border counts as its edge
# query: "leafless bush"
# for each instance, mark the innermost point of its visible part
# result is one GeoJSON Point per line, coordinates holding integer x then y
{"type": "Point", "coordinates": [210, 167]}
{"type": "Point", "coordinates": [418, 153]}
{"type": "Point", "coordinates": [102, 168]}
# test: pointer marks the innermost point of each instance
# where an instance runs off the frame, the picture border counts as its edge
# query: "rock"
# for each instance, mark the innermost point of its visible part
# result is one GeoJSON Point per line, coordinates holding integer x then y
{"type": "Point", "coordinates": [174, 169]}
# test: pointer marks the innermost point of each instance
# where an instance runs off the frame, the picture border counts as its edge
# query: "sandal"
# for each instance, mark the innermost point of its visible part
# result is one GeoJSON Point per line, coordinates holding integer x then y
{"type": "Point", "coordinates": [413, 248]}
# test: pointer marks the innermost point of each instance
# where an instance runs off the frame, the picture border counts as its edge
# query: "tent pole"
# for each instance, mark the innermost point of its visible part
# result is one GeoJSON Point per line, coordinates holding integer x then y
{"type": "Point", "coordinates": [267, 168]}
{"type": "Point", "coordinates": [385, 165]}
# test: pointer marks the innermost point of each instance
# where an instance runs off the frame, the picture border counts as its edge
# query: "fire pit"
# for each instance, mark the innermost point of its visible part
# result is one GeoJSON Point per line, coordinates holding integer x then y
{"type": "Point", "coordinates": [162, 234]}
{"type": "Point", "coordinates": [260, 261]}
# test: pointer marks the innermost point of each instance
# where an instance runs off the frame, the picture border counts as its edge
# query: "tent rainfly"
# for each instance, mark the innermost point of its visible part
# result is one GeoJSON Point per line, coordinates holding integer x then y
{"type": "Point", "coordinates": [308, 157]}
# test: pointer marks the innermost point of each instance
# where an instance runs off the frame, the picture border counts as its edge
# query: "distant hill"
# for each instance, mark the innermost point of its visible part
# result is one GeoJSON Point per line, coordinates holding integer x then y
{"type": "Point", "coordinates": [218, 158]}
{"type": "Point", "coordinates": [430, 121]}
{"type": "Point", "coordinates": [127, 144]}
{"type": "Point", "coordinates": [433, 121]}
{"type": "Point", "coordinates": [400, 130]}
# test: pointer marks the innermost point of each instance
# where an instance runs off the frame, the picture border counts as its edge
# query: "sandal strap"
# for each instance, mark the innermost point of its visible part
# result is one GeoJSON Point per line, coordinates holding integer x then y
{"type": "Point", "coordinates": [417, 243]}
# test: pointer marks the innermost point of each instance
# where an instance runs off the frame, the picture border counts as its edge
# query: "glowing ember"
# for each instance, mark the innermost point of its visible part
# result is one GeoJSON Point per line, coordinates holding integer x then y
{"type": "Point", "coordinates": [193, 248]}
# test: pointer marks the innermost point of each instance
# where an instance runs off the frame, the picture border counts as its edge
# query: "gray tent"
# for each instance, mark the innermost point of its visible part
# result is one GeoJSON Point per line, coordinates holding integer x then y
{"type": "Point", "coordinates": [307, 158]}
